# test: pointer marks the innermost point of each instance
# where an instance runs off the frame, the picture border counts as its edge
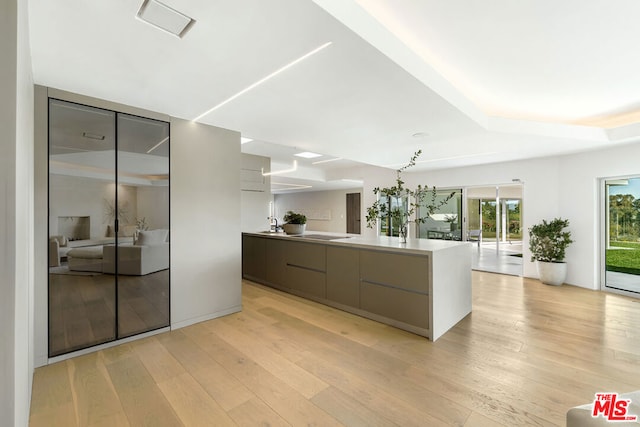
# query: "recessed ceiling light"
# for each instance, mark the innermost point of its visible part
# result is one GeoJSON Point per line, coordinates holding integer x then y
{"type": "Point", "coordinates": [308, 155]}
{"type": "Point", "coordinates": [164, 18]}
{"type": "Point", "coordinates": [244, 140]}
{"type": "Point", "coordinates": [93, 136]}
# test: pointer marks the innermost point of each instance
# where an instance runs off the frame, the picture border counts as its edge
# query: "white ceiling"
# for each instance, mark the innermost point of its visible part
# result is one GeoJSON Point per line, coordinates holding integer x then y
{"type": "Point", "coordinates": [486, 81]}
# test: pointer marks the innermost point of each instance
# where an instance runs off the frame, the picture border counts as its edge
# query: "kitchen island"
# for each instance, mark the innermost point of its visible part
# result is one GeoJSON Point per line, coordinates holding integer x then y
{"type": "Point", "coordinates": [422, 286]}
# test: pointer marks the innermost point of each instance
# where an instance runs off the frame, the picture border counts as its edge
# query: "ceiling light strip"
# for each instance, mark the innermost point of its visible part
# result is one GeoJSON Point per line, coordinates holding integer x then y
{"type": "Point", "coordinates": [326, 161]}
{"type": "Point", "coordinates": [293, 169]}
{"type": "Point", "coordinates": [289, 185]}
{"type": "Point", "coordinates": [259, 82]}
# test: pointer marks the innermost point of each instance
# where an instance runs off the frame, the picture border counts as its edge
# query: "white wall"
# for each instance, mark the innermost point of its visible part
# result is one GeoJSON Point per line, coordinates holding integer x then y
{"type": "Point", "coordinates": [8, 143]}
{"type": "Point", "coordinates": [317, 203]}
{"type": "Point", "coordinates": [205, 226]}
{"type": "Point", "coordinates": [256, 193]}
{"type": "Point", "coordinates": [541, 192]}
{"type": "Point", "coordinates": [16, 225]}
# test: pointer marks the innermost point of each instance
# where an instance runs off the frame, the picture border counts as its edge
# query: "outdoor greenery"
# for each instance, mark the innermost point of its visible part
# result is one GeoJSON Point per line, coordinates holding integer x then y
{"type": "Point", "coordinates": [548, 240]}
{"type": "Point", "coordinates": [398, 203]}
{"type": "Point", "coordinates": [489, 220]}
{"type": "Point", "coordinates": [623, 260]}
{"type": "Point", "coordinates": [294, 218]}
{"type": "Point", "coordinates": [624, 217]}
{"type": "Point", "coordinates": [624, 233]}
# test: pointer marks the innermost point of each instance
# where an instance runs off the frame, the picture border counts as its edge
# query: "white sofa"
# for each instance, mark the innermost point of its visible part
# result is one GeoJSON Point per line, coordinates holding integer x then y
{"type": "Point", "coordinates": [60, 246]}
{"type": "Point", "coordinates": [136, 260]}
{"type": "Point", "coordinates": [149, 253]}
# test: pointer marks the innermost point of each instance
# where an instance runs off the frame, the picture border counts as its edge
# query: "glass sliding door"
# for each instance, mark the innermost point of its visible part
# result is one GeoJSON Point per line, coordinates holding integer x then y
{"type": "Point", "coordinates": [622, 234]}
{"type": "Point", "coordinates": [446, 223]}
{"type": "Point", "coordinates": [82, 298]}
{"type": "Point", "coordinates": [387, 226]}
{"type": "Point", "coordinates": [108, 226]}
{"type": "Point", "coordinates": [143, 234]}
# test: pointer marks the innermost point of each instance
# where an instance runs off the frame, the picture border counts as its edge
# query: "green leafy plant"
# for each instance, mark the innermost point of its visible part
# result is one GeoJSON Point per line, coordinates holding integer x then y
{"type": "Point", "coordinates": [295, 218]}
{"type": "Point", "coordinates": [400, 203]}
{"type": "Point", "coordinates": [548, 240]}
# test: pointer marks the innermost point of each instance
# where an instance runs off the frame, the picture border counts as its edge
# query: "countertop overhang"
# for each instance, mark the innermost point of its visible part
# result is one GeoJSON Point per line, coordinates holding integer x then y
{"type": "Point", "coordinates": [413, 245]}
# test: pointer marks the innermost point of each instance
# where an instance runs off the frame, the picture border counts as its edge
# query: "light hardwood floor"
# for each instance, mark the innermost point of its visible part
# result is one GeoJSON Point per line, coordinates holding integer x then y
{"type": "Point", "coordinates": [526, 354]}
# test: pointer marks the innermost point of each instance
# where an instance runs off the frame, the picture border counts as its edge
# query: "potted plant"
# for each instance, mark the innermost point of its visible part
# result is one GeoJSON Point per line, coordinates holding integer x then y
{"type": "Point", "coordinates": [399, 204]}
{"type": "Point", "coordinates": [295, 223]}
{"type": "Point", "coordinates": [548, 242]}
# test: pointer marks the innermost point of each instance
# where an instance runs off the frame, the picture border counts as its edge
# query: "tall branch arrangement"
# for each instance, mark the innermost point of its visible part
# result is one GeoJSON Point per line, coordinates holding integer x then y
{"type": "Point", "coordinates": [400, 203]}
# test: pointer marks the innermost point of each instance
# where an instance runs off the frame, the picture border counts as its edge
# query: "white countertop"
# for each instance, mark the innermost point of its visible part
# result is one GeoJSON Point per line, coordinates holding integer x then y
{"type": "Point", "coordinates": [413, 245]}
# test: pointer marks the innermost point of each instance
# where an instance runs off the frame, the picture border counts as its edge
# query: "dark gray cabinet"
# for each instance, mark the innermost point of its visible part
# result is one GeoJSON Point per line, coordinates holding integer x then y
{"type": "Point", "coordinates": [276, 267]}
{"type": "Point", "coordinates": [254, 258]}
{"type": "Point", "coordinates": [386, 286]}
{"type": "Point", "coordinates": [343, 276]}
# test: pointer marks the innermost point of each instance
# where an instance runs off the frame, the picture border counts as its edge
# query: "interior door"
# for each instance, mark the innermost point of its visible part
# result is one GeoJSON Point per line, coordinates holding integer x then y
{"type": "Point", "coordinates": [353, 213]}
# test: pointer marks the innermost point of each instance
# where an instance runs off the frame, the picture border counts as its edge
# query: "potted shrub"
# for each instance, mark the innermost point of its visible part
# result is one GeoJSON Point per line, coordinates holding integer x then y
{"type": "Point", "coordinates": [548, 242]}
{"type": "Point", "coordinates": [294, 223]}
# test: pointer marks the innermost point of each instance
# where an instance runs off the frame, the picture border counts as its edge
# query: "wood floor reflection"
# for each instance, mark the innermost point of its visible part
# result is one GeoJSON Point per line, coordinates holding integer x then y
{"type": "Point", "coordinates": [82, 308]}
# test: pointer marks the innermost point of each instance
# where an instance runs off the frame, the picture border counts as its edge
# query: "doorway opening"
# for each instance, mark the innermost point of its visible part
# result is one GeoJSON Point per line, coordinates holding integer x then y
{"type": "Point", "coordinates": [494, 224]}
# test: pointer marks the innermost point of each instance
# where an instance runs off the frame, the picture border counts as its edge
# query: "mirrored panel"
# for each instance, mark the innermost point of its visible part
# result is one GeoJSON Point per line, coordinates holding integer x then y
{"type": "Point", "coordinates": [108, 226]}
{"type": "Point", "coordinates": [143, 226]}
{"type": "Point", "coordinates": [82, 297]}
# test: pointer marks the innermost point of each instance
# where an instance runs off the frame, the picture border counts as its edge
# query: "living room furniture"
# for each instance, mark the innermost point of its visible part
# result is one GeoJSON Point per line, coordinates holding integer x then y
{"type": "Point", "coordinates": [149, 254]}
{"type": "Point", "coordinates": [136, 260]}
{"type": "Point", "coordinates": [87, 258]}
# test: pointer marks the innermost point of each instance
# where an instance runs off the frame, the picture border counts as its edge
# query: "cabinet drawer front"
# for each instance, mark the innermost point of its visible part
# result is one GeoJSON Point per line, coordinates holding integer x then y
{"type": "Point", "coordinates": [399, 271]}
{"type": "Point", "coordinates": [343, 276]}
{"type": "Point", "coordinates": [396, 304]}
{"type": "Point", "coordinates": [276, 268]}
{"type": "Point", "coordinates": [308, 255]}
{"type": "Point", "coordinates": [309, 282]}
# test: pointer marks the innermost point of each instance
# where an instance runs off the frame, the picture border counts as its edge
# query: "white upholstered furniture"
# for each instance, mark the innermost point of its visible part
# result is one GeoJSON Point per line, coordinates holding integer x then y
{"type": "Point", "coordinates": [149, 254]}
{"type": "Point", "coordinates": [136, 260]}
{"type": "Point", "coordinates": [87, 258]}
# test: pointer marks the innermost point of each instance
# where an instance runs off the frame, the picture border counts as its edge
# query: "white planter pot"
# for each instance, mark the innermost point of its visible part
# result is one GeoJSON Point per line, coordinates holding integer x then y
{"type": "Point", "coordinates": [294, 228]}
{"type": "Point", "coordinates": [552, 273]}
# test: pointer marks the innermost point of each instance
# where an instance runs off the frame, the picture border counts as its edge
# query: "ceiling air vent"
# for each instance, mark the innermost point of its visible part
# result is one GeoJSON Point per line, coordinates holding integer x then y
{"type": "Point", "coordinates": [165, 18]}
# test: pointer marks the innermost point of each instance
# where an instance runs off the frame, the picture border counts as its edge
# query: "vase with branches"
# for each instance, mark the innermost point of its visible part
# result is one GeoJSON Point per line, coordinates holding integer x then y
{"type": "Point", "coordinates": [399, 204]}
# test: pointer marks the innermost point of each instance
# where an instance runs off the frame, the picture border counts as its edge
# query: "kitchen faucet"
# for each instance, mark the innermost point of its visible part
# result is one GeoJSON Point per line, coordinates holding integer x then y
{"type": "Point", "coordinates": [274, 219]}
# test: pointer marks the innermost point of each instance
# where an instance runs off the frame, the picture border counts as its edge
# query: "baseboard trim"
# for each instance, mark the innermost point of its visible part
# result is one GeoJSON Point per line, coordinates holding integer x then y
{"type": "Point", "coordinates": [193, 321]}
